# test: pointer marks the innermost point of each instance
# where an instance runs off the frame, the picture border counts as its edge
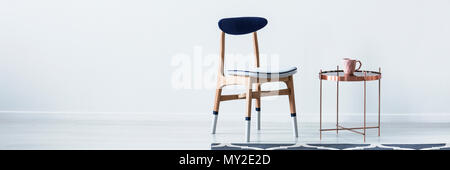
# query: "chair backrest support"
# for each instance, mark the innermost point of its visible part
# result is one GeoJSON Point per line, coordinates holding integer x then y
{"type": "Point", "coordinates": [222, 52]}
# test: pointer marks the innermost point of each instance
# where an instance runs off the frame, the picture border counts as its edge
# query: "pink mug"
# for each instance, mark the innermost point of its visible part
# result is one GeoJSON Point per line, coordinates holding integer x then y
{"type": "Point", "coordinates": [349, 66]}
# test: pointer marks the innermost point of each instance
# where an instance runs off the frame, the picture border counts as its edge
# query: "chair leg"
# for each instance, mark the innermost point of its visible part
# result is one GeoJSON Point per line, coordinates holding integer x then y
{"type": "Point", "coordinates": [249, 111]}
{"type": "Point", "coordinates": [290, 85]}
{"type": "Point", "coordinates": [258, 106]}
{"type": "Point", "coordinates": [216, 110]}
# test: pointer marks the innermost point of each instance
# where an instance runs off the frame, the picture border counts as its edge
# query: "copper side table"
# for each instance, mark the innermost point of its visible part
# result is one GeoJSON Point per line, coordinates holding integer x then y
{"type": "Point", "coordinates": [359, 76]}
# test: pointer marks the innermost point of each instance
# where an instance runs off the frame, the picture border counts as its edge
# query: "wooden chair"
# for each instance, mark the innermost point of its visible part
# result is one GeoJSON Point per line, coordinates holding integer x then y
{"type": "Point", "coordinates": [257, 75]}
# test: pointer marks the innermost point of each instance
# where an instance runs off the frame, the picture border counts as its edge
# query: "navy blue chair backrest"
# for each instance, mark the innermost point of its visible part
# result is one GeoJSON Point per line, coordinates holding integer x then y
{"type": "Point", "coordinates": [242, 25]}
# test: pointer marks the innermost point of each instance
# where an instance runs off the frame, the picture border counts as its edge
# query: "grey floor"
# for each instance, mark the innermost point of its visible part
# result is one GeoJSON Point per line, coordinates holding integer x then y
{"type": "Point", "coordinates": [188, 131]}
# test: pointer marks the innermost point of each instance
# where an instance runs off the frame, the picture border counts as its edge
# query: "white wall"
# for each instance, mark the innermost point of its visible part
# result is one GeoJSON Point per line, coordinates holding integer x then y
{"type": "Point", "coordinates": [115, 55]}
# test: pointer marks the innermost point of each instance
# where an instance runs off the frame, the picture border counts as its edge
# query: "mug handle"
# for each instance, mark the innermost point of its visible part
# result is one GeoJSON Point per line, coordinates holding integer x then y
{"type": "Point", "coordinates": [360, 64]}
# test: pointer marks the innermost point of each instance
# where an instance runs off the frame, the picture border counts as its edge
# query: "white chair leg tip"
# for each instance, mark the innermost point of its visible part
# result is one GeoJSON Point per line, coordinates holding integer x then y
{"type": "Point", "coordinates": [247, 132]}
{"type": "Point", "coordinates": [259, 120]}
{"type": "Point", "coordinates": [214, 123]}
{"type": "Point", "coordinates": [294, 124]}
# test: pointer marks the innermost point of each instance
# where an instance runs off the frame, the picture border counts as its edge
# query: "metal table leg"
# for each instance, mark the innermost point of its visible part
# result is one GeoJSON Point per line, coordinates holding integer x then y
{"type": "Point", "coordinates": [320, 104]}
{"type": "Point", "coordinates": [364, 108]}
{"type": "Point", "coordinates": [379, 98]}
{"type": "Point", "coordinates": [337, 102]}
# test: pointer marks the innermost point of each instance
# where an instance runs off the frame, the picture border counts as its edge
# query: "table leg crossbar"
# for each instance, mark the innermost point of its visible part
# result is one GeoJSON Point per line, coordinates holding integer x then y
{"type": "Point", "coordinates": [353, 129]}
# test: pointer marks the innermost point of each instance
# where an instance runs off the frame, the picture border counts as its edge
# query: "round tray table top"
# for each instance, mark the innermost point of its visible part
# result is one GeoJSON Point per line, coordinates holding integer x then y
{"type": "Point", "coordinates": [361, 75]}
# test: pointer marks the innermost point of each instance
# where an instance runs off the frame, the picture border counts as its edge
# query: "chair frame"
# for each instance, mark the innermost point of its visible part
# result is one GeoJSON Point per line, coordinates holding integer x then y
{"type": "Point", "coordinates": [248, 82]}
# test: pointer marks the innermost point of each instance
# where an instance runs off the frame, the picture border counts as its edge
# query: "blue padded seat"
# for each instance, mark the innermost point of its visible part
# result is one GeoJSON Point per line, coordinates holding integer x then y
{"type": "Point", "coordinates": [242, 25]}
{"type": "Point", "coordinates": [262, 72]}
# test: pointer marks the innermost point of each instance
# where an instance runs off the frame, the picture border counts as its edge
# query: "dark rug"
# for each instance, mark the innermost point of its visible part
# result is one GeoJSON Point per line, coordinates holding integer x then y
{"type": "Point", "coordinates": [273, 146]}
